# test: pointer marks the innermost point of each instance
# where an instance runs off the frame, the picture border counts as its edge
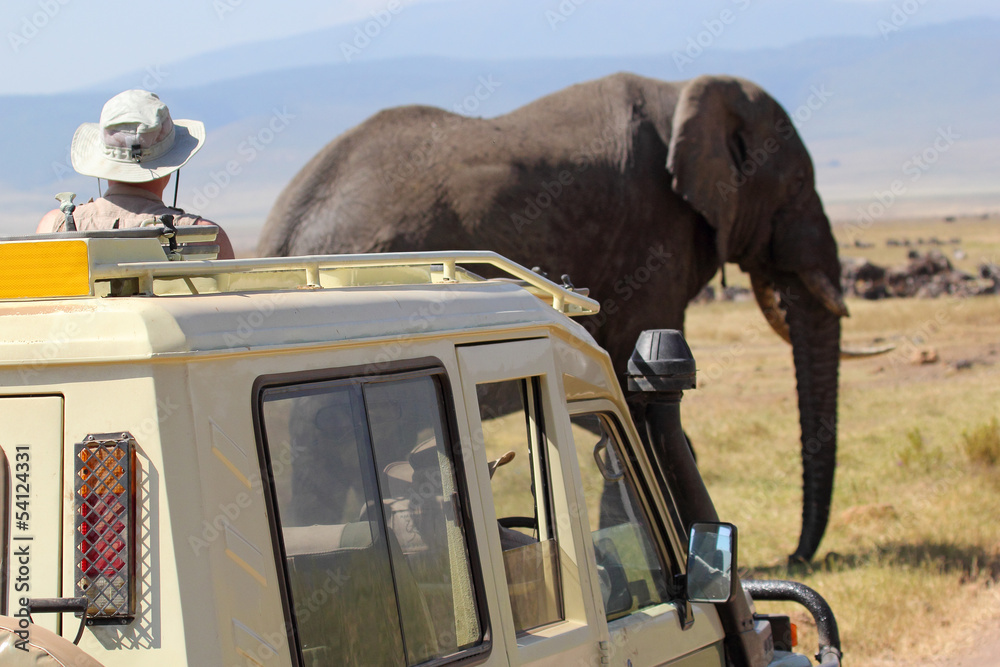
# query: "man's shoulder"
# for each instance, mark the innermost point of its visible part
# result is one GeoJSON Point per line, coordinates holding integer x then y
{"type": "Point", "coordinates": [182, 217]}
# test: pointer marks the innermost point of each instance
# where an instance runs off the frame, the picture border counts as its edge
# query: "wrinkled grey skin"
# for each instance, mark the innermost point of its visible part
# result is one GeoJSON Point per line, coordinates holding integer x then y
{"type": "Point", "coordinates": [636, 188]}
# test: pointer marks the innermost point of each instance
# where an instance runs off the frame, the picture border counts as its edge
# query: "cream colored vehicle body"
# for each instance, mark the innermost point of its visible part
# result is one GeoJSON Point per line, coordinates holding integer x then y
{"type": "Point", "coordinates": [209, 367]}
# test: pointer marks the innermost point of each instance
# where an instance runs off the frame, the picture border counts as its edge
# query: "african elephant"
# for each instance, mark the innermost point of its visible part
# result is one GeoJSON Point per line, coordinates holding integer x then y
{"type": "Point", "coordinates": [637, 188]}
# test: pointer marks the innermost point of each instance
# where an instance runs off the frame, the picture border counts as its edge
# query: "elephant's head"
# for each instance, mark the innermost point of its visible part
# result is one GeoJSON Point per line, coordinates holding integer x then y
{"type": "Point", "coordinates": [737, 159]}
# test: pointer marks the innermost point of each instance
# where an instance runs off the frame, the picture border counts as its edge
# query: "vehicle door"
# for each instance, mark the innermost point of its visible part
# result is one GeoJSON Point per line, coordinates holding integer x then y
{"type": "Point", "coordinates": [635, 551]}
{"type": "Point", "coordinates": [527, 476]}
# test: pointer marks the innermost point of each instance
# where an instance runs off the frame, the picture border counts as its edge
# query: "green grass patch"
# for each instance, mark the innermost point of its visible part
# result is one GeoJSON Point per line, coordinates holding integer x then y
{"type": "Point", "coordinates": [982, 444]}
{"type": "Point", "coordinates": [911, 555]}
{"type": "Point", "coordinates": [917, 453]}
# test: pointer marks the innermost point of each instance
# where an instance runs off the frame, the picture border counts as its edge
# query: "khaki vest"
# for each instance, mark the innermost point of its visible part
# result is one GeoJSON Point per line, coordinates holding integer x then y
{"type": "Point", "coordinates": [128, 206]}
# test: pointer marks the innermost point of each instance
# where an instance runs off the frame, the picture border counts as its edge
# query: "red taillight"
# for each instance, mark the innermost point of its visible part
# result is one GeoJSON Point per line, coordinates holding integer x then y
{"type": "Point", "coordinates": [105, 525]}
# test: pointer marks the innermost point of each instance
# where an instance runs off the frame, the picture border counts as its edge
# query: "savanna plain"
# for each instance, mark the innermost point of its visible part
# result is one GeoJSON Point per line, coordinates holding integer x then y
{"type": "Point", "coordinates": [911, 558]}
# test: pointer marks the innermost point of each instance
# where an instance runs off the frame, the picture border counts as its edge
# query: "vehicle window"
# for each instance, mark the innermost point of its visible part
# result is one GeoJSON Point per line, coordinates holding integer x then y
{"type": "Point", "coordinates": [376, 554]}
{"type": "Point", "coordinates": [513, 437]}
{"type": "Point", "coordinates": [630, 572]}
{"type": "Point", "coordinates": [419, 502]}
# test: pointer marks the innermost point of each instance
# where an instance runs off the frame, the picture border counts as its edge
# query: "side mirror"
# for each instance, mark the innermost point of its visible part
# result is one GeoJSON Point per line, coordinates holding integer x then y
{"type": "Point", "coordinates": [711, 562]}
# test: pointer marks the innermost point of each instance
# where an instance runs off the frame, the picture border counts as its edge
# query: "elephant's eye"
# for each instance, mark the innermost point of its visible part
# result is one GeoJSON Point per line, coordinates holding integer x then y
{"type": "Point", "coordinates": [797, 184]}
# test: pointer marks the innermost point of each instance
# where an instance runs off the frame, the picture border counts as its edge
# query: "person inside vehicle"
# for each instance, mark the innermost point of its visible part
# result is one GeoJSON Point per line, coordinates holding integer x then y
{"type": "Point", "coordinates": [136, 146]}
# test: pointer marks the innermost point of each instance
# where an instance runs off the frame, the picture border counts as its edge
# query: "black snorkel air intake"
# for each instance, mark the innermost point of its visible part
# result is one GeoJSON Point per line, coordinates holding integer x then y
{"type": "Point", "coordinates": [660, 369]}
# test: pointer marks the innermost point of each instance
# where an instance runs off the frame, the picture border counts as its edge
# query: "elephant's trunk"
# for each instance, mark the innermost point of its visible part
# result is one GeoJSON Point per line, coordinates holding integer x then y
{"type": "Point", "coordinates": [815, 334]}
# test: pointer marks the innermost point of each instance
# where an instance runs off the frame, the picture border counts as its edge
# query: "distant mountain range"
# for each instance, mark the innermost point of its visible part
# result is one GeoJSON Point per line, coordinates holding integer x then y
{"type": "Point", "coordinates": [875, 104]}
{"type": "Point", "coordinates": [560, 29]}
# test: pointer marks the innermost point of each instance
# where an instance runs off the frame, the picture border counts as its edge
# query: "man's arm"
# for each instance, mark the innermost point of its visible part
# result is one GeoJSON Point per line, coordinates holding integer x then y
{"type": "Point", "coordinates": [50, 222]}
{"type": "Point", "coordinates": [222, 240]}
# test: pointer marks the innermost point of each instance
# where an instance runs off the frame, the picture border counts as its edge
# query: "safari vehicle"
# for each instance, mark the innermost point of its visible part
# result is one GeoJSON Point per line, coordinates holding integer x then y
{"type": "Point", "coordinates": [345, 460]}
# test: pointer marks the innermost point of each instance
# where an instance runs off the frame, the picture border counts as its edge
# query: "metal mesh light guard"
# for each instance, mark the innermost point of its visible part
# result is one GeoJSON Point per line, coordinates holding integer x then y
{"type": "Point", "coordinates": [105, 526]}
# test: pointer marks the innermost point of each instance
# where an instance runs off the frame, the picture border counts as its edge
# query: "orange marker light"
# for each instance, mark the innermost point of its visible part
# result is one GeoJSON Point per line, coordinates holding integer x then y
{"type": "Point", "coordinates": [36, 269]}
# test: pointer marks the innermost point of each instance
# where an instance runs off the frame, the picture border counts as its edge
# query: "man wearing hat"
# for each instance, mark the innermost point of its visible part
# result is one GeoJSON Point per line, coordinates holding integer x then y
{"type": "Point", "coordinates": [136, 146]}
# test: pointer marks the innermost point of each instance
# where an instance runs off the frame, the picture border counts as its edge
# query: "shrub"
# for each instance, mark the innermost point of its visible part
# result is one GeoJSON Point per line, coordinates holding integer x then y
{"type": "Point", "coordinates": [917, 453]}
{"type": "Point", "coordinates": [982, 445]}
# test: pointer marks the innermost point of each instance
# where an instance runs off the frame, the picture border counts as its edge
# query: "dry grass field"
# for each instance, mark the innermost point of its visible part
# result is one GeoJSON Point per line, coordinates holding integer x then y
{"type": "Point", "coordinates": [911, 558]}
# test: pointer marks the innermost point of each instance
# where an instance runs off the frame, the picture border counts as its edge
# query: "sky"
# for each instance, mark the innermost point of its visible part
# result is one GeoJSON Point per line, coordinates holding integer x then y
{"type": "Point", "coordinates": [52, 46]}
{"type": "Point", "coordinates": [59, 59]}
{"type": "Point", "coordinates": [61, 45]}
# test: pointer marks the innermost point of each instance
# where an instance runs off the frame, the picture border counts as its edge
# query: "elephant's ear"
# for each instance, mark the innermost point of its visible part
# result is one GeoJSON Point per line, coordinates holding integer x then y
{"type": "Point", "coordinates": [714, 123]}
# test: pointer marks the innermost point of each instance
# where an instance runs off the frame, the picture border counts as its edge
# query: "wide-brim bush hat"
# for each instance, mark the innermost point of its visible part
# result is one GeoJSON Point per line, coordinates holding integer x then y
{"type": "Point", "coordinates": [136, 140]}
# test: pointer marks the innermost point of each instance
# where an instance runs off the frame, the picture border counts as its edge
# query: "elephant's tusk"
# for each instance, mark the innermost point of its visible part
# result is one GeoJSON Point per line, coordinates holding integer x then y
{"type": "Point", "coordinates": [864, 352]}
{"type": "Point", "coordinates": [763, 291]}
{"type": "Point", "coordinates": [821, 288]}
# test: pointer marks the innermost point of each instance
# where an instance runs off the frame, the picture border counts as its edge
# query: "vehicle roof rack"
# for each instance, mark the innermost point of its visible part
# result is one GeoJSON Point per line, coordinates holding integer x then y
{"type": "Point", "coordinates": [135, 262]}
